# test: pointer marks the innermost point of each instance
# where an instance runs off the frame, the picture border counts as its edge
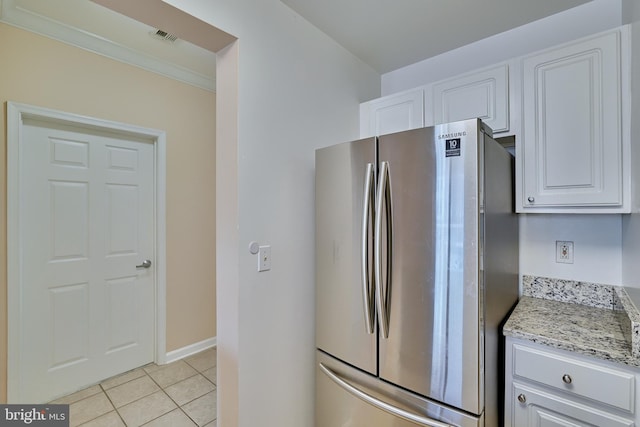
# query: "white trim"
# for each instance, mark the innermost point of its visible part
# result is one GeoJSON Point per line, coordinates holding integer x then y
{"type": "Point", "coordinates": [190, 349]}
{"type": "Point", "coordinates": [20, 17]}
{"type": "Point", "coordinates": [161, 247]}
{"type": "Point", "coordinates": [15, 114]}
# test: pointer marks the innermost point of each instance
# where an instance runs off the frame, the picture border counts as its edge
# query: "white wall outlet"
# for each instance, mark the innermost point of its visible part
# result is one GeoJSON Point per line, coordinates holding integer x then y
{"type": "Point", "coordinates": [564, 252]}
{"type": "Point", "coordinates": [264, 258]}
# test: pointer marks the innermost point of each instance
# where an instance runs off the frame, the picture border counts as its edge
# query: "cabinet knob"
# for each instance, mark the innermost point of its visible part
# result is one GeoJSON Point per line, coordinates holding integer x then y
{"type": "Point", "coordinates": [522, 398]}
{"type": "Point", "coordinates": [531, 199]}
{"type": "Point", "coordinates": [566, 378]}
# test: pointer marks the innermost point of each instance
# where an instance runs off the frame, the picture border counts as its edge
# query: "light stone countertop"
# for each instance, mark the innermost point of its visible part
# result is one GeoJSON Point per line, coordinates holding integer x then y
{"type": "Point", "coordinates": [605, 325]}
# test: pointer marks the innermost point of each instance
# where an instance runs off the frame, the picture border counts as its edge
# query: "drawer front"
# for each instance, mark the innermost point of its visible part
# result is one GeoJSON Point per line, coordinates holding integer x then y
{"type": "Point", "coordinates": [603, 384]}
{"type": "Point", "coordinates": [533, 407]}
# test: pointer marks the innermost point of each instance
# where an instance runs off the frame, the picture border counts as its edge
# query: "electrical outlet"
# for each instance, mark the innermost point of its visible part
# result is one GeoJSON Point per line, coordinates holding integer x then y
{"type": "Point", "coordinates": [264, 258]}
{"type": "Point", "coordinates": [564, 252]}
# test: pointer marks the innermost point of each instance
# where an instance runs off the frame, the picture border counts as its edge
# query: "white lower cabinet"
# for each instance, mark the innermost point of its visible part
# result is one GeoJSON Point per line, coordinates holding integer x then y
{"type": "Point", "coordinates": [550, 387]}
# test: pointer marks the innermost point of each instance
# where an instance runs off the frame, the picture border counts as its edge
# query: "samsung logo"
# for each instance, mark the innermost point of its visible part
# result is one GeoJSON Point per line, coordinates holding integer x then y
{"type": "Point", "coordinates": [452, 135]}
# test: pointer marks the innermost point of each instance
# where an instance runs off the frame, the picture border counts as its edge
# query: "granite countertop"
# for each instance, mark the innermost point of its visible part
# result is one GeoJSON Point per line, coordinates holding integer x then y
{"type": "Point", "coordinates": [601, 321]}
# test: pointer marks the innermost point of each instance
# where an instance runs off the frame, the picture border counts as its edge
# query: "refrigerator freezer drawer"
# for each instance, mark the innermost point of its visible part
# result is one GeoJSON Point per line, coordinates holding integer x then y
{"type": "Point", "coordinates": [348, 397]}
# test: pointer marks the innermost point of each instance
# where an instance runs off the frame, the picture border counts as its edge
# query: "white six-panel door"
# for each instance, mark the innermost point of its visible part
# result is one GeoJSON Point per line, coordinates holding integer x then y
{"type": "Point", "coordinates": [86, 221]}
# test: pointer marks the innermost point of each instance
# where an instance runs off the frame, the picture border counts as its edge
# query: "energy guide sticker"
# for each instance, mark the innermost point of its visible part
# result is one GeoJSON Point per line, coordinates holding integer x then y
{"type": "Point", "coordinates": [452, 147]}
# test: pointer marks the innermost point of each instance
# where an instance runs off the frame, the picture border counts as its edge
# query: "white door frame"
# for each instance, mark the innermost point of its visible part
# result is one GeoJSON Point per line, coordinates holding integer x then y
{"type": "Point", "coordinates": [15, 114]}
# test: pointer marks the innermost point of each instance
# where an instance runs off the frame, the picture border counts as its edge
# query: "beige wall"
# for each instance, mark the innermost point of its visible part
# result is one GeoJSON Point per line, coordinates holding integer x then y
{"type": "Point", "coordinates": [39, 71]}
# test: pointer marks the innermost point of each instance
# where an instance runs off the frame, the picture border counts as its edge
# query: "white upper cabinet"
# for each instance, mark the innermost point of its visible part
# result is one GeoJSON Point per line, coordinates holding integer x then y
{"type": "Point", "coordinates": [571, 157]}
{"type": "Point", "coordinates": [392, 113]}
{"type": "Point", "coordinates": [483, 94]}
{"type": "Point", "coordinates": [568, 108]}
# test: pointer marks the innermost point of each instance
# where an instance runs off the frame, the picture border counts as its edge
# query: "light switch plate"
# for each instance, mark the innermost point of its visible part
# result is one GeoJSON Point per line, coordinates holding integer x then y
{"type": "Point", "coordinates": [264, 258]}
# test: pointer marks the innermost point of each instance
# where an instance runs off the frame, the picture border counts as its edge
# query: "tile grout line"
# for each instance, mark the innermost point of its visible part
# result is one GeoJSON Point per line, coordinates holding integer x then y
{"type": "Point", "coordinates": [177, 405]}
{"type": "Point", "coordinates": [204, 376]}
{"type": "Point", "coordinates": [198, 373]}
{"type": "Point", "coordinates": [159, 389]}
{"type": "Point", "coordinates": [103, 390]}
{"type": "Point", "coordinates": [113, 404]}
{"type": "Point", "coordinates": [115, 408]}
{"type": "Point", "coordinates": [88, 397]}
{"type": "Point", "coordinates": [208, 379]}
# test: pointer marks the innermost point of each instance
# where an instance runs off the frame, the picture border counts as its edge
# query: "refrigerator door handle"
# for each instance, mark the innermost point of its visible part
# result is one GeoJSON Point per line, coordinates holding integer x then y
{"type": "Point", "coordinates": [402, 413]}
{"type": "Point", "coordinates": [382, 298]}
{"type": "Point", "coordinates": [367, 212]}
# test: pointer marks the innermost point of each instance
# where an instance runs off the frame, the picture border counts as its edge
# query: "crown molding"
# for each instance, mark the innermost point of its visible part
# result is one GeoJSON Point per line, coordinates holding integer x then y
{"type": "Point", "coordinates": [11, 13]}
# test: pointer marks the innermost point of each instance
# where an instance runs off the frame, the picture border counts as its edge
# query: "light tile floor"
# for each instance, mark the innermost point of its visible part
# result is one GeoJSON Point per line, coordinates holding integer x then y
{"type": "Point", "coordinates": [179, 394]}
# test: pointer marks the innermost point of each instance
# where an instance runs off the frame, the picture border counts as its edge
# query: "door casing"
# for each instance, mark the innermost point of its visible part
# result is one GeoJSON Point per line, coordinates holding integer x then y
{"type": "Point", "coordinates": [15, 114]}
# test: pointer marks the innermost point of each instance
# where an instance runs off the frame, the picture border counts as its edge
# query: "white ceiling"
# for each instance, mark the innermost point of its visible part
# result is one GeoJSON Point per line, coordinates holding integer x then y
{"type": "Point", "coordinates": [390, 34]}
{"type": "Point", "coordinates": [386, 34]}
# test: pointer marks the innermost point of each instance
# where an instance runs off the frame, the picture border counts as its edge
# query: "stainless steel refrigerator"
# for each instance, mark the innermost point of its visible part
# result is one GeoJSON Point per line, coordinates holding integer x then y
{"type": "Point", "coordinates": [416, 269]}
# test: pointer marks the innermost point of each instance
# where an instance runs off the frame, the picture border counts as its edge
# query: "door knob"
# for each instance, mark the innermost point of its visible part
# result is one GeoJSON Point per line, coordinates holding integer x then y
{"type": "Point", "coordinates": [145, 264]}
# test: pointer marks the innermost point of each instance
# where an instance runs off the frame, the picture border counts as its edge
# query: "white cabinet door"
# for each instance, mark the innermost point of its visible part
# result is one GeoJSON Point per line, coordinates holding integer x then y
{"type": "Point", "coordinates": [482, 94]}
{"type": "Point", "coordinates": [571, 153]}
{"type": "Point", "coordinates": [393, 113]}
{"type": "Point", "coordinates": [534, 407]}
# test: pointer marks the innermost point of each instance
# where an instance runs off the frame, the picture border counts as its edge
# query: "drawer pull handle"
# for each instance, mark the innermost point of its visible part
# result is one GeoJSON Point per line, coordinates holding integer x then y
{"type": "Point", "coordinates": [566, 378]}
{"type": "Point", "coordinates": [522, 398]}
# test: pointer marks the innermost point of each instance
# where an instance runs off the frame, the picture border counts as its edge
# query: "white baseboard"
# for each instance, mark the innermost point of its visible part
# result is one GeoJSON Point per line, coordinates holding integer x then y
{"type": "Point", "coordinates": [194, 348]}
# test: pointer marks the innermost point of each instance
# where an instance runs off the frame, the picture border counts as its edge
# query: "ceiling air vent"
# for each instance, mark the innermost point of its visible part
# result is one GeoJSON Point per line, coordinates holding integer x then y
{"type": "Point", "coordinates": [163, 35]}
